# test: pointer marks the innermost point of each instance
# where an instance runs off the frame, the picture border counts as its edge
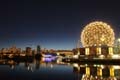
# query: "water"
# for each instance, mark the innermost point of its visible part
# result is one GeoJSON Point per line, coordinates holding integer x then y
{"type": "Point", "coordinates": [40, 70]}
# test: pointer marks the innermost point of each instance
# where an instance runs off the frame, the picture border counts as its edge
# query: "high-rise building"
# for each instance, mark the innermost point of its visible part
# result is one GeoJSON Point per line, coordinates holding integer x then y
{"type": "Point", "coordinates": [28, 51]}
{"type": "Point", "coordinates": [38, 49]}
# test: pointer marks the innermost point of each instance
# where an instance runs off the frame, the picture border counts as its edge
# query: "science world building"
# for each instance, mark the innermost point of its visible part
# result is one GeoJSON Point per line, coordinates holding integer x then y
{"type": "Point", "coordinates": [97, 38]}
{"type": "Point", "coordinates": [97, 33]}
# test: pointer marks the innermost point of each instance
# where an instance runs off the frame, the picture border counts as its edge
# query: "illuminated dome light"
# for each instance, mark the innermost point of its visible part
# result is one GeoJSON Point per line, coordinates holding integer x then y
{"type": "Point", "coordinates": [97, 33]}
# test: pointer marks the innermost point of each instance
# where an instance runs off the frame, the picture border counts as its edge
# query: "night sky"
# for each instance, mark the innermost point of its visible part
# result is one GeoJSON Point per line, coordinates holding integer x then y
{"type": "Point", "coordinates": [53, 24]}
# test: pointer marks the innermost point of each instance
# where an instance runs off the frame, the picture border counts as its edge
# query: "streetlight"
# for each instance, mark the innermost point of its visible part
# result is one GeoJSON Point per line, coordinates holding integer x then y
{"type": "Point", "coordinates": [78, 46]}
{"type": "Point", "coordinates": [118, 42]}
{"type": "Point", "coordinates": [118, 39]}
{"type": "Point", "coordinates": [118, 45]}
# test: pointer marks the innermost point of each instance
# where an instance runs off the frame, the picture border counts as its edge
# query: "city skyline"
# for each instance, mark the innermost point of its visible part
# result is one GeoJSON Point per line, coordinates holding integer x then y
{"type": "Point", "coordinates": [52, 24]}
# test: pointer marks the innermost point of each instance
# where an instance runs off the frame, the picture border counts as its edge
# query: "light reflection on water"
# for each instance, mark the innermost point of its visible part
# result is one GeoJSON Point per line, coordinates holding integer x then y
{"type": "Point", "coordinates": [40, 70]}
{"type": "Point", "coordinates": [98, 72]}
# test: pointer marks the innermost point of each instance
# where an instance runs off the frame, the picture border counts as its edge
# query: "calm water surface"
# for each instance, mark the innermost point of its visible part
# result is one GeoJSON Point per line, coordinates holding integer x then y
{"type": "Point", "coordinates": [40, 70]}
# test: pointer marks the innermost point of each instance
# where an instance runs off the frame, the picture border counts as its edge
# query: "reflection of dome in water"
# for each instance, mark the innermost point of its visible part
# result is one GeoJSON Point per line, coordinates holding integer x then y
{"type": "Point", "coordinates": [97, 33]}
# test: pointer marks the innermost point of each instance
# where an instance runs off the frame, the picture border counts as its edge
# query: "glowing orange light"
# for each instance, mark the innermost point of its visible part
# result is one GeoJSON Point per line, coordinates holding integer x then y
{"type": "Point", "coordinates": [97, 33]}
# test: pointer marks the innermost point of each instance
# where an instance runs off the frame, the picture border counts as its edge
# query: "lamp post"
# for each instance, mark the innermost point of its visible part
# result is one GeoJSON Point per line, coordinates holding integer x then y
{"type": "Point", "coordinates": [118, 45]}
{"type": "Point", "coordinates": [78, 46]}
{"type": "Point", "coordinates": [118, 40]}
{"type": "Point", "coordinates": [78, 52]}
